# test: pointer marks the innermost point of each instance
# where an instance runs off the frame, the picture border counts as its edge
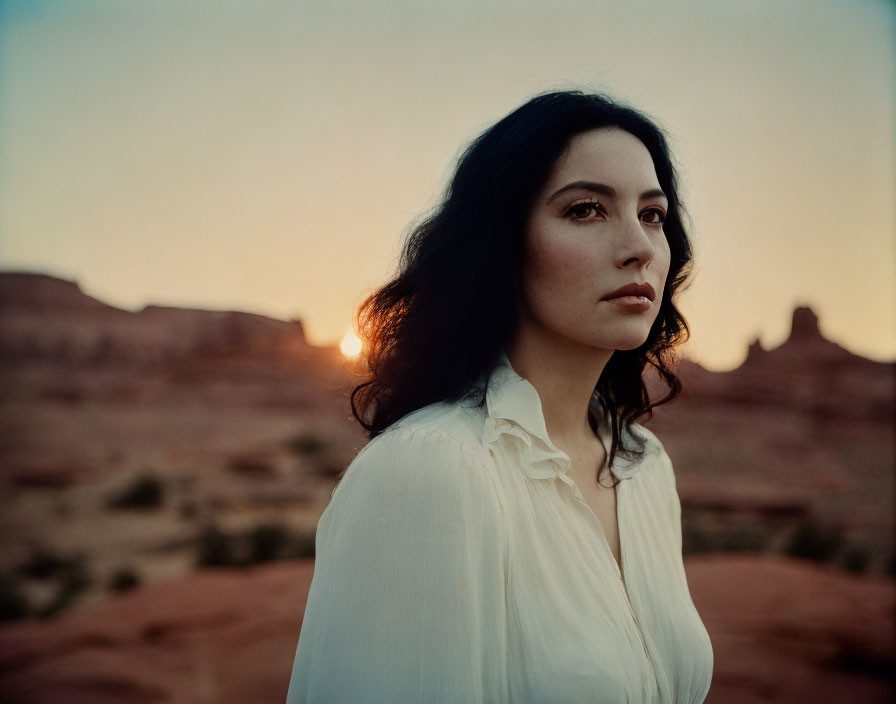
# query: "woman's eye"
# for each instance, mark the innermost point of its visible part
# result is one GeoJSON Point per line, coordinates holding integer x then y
{"type": "Point", "coordinates": [654, 216]}
{"type": "Point", "coordinates": [581, 211]}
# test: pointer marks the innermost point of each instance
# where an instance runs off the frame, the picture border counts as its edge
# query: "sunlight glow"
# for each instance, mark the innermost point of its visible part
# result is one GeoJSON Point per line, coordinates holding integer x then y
{"type": "Point", "coordinates": [351, 345]}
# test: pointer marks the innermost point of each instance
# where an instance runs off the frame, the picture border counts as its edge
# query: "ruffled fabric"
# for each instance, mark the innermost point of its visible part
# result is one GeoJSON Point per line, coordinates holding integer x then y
{"type": "Point", "coordinates": [545, 461]}
{"type": "Point", "coordinates": [515, 410]}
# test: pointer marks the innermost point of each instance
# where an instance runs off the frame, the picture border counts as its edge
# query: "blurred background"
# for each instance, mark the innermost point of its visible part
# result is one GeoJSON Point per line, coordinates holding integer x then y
{"type": "Point", "coordinates": [196, 196]}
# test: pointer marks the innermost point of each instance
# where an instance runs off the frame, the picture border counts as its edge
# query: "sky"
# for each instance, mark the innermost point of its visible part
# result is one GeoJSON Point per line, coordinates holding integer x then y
{"type": "Point", "coordinates": [269, 156]}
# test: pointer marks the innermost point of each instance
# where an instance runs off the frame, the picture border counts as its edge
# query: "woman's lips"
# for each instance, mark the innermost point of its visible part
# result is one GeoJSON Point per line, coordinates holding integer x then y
{"type": "Point", "coordinates": [634, 303]}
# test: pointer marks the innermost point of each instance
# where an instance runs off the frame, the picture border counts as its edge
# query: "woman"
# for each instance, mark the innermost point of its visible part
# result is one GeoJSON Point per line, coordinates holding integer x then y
{"type": "Point", "coordinates": [473, 551]}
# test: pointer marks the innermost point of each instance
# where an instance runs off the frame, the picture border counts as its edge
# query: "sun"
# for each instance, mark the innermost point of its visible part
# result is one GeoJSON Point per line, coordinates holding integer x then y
{"type": "Point", "coordinates": [351, 345]}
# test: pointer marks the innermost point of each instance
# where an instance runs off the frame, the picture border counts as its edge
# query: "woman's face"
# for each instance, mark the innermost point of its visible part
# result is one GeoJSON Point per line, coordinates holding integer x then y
{"type": "Point", "coordinates": [596, 226]}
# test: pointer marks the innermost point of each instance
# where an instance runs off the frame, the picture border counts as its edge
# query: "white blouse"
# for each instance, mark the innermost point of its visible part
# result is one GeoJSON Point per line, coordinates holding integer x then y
{"type": "Point", "coordinates": [458, 562]}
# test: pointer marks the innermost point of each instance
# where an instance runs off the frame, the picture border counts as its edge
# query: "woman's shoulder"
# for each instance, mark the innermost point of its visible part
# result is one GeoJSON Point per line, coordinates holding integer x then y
{"type": "Point", "coordinates": [457, 421]}
{"type": "Point", "coordinates": [435, 444]}
{"type": "Point", "coordinates": [411, 469]}
{"type": "Point", "coordinates": [643, 434]}
{"type": "Point", "coordinates": [655, 456]}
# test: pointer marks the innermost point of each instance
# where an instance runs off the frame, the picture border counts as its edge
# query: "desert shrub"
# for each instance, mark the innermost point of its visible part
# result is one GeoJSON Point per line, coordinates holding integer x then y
{"type": "Point", "coordinates": [744, 538]}
{"type": "Point", "coordinates": [854, 558]}
{"type": "Point", "coordinates": [307, 444]}
{"type": "Point", "coordinates": [267, 541]}
{"type": "Point", "coordinates": [188, 509]}
{"type": "Point", "coordinates": [123, 579]}
{"type": "Point", "coordinates": [274, 541]}
{"type": "Point", "coordinates": [42, 563]}
{"type": "Point", "coordinates": [330, 470]}
{"type": "Point", "coordinates": [13, 602]}
{"type": "Point", "coordinates": [216, 548]}
{"type": "Point", "coordinates": [68, 571]}
{"type": "Point", "coordinates": [301, 545]}
{"type": "Point", "coordinates": [814, 541]}
{"type": "Point", "coordinates": [697, 538]}
{"type": "Point", "coordinates": [73, 579]}
{"type": "Point", "coordinates": [145, 492]}
{"type": "Point", "coordinates": [254, 464]}
{"type": "Point", "coordinates": [890, 566]}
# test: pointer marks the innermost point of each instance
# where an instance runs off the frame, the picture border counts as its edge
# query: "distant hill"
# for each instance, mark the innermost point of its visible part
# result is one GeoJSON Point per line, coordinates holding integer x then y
{"type": "Point", "coordinates": [807, 372]}
{"type": "Point", "coordinates": [44, 317]}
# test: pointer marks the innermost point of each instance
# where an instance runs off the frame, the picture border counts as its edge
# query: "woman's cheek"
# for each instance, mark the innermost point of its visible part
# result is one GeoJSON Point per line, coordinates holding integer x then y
{"type": "Point", "coordinates": [565, 261]}
{"type": "Point", "coordinates": [664, 257]}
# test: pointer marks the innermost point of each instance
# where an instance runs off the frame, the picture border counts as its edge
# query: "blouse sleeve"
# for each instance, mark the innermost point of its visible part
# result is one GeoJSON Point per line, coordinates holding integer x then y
{"type": "Point", "coordinates": [407, 601]}
{"type": "Point", "coordinates": [674, 499]}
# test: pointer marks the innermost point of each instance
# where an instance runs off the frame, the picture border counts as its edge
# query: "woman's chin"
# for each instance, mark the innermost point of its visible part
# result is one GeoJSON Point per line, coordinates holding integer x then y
{"type": "Point", "coordinates": [625, 343]}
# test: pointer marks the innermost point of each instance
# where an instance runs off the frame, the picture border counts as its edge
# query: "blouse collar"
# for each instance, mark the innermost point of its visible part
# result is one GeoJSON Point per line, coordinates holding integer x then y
{"type": "Point", "coordinates": [514, 409]}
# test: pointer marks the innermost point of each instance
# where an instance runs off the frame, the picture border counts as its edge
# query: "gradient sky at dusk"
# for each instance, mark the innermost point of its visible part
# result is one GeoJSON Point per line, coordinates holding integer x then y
{"type": "Point", "coordinates": [268, 156]}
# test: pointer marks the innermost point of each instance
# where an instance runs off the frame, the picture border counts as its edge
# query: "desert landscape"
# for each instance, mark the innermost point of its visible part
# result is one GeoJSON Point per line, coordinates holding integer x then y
{"type": "Point", "coordinates": [164, 471]}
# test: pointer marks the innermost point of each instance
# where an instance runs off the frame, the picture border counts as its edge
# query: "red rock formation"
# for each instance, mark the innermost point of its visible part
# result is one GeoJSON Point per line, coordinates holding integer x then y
{"type": "Point", "coordinates": [807, 372]}
{"type": "Point", "coordinates": [45, 317]}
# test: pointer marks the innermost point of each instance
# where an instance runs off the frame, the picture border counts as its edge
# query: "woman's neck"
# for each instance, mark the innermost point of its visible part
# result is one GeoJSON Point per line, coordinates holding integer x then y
{"type": "Point", "coordinates": [564, 377]}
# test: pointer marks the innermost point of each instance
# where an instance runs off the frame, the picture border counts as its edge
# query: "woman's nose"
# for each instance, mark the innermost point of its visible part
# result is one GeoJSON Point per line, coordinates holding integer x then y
{"type": "Point", "coordinates": [635, 246]}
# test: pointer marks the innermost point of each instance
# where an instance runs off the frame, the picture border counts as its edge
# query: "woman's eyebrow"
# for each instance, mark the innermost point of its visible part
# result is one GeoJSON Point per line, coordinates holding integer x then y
{"type": "Point", "coordinates": [601, 188]}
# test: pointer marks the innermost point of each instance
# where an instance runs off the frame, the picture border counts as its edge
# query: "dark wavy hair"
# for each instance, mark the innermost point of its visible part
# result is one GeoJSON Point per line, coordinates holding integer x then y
{"type": "Point", "coordinates": [438, 328]}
